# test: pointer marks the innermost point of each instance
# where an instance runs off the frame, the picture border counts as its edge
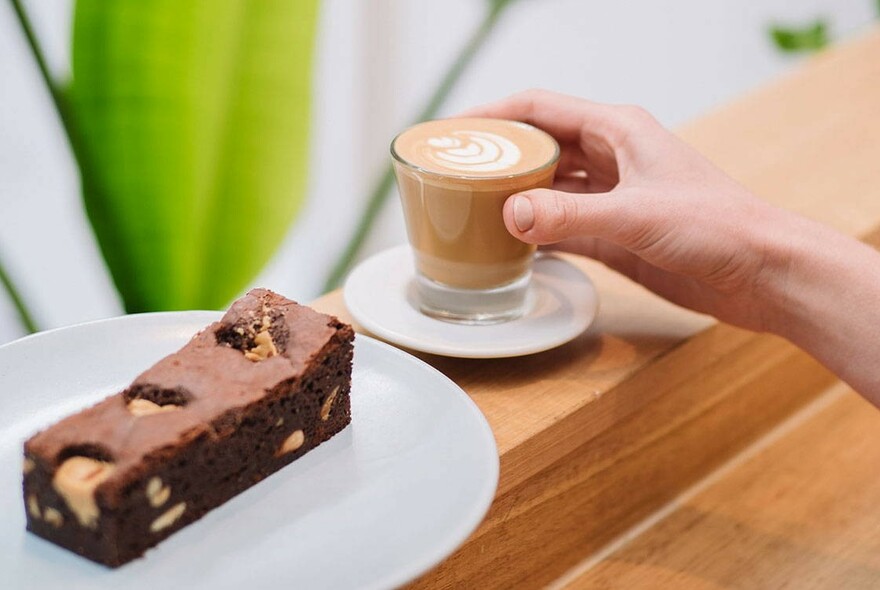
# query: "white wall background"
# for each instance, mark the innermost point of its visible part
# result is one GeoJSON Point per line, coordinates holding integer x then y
{"type": "Point", "coordinates": [378, 61]}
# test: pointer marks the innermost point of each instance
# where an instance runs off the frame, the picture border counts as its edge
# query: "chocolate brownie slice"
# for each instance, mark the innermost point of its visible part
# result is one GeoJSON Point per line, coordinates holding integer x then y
{"type": "Point", "coordinates": [245, 397]}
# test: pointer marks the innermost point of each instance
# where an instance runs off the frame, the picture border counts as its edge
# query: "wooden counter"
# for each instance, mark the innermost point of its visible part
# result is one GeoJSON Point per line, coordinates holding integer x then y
{"type": "Point", "coordinates": [799, 510]}
{"type": "Point", "coordinates": [597, 435]}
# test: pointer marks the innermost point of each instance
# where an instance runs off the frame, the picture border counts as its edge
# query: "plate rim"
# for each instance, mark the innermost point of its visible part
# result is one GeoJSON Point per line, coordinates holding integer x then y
{"type": "Point", "coordinates": [474, 521]}
{"type": "Point", "coordinates": [399, 338]}
{"type": "Point", "coordinates": [445, 547]}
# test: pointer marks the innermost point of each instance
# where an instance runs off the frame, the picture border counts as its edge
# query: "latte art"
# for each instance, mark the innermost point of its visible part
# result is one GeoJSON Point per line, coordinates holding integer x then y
{"type": "Point", "coordinates": [473, 151]}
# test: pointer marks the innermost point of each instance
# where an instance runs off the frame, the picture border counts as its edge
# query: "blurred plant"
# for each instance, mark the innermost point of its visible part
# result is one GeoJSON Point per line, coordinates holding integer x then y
{"type": "Point", "coordinates": [189, 124]}
{"type": "Point", "coordinates": [794, 40]}
{"type": "Point", "coordinates": [378, 196]}
{"type": "Point", "coordinates": [191, 170]}
{"type": "Point", "coordinates": [808, 38]}
{"type": "Point", "coordinates": [24, 315]}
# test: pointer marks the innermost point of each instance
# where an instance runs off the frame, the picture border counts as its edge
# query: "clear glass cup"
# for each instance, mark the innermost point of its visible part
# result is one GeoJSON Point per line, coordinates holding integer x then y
{"type": "Point", "coordinates": [469, 268]}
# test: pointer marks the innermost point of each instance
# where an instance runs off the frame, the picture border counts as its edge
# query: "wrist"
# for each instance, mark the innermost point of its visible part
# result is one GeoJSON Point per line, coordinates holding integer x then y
{"type": "Point", "coordinates": [820, 293]}
{"type": "Point", "coordinates": [805, 264]}
{"type": "Point", "coordinates": [785, 255]}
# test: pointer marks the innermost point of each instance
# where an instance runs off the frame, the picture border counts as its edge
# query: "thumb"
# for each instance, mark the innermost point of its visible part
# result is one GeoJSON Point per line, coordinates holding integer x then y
{"type": "Point", "coordinates": [545, 216]}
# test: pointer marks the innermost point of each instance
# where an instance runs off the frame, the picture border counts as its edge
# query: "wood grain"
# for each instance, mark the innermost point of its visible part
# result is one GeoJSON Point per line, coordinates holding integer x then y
{"type": "Point", "coordinates": [598, 433]}
{"type": "Point", "coordinates": [803, 513]}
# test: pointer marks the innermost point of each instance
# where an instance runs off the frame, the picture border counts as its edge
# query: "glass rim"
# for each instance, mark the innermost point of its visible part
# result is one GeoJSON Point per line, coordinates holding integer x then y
{"type": "Point", "coordinates": [415, 167]}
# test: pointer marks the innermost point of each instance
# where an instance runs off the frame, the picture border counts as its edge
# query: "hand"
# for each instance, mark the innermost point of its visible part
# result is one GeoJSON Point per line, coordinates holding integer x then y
{"type": "Point", "coordinates": [630, 194]}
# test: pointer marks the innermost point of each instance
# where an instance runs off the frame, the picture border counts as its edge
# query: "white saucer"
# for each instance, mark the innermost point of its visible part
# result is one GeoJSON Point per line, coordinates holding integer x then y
{"type": "Point", "coordinates": [377, 293]}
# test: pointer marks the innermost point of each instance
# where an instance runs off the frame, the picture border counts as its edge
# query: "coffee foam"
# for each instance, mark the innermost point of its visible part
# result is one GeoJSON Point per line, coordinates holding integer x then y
{"type": "Point", "coordinates": [475, 147]}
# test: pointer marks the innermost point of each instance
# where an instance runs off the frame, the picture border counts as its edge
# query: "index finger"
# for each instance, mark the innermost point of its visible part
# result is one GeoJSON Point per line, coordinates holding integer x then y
{"type": "Point", "coordinates": [568, 118]}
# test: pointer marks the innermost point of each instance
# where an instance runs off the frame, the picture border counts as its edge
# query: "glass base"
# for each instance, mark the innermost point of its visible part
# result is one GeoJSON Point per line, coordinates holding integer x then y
{"type": "Point", "coordinates": [473, 306]}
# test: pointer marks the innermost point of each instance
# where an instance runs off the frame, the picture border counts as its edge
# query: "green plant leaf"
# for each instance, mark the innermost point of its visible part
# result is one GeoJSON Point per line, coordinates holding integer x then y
{"type": "Point", "coordinates": [193, 118]}
{"type": "Point", "coordinates": [796, 40]}
{"type": "Point", "coordinates": [21, 309]}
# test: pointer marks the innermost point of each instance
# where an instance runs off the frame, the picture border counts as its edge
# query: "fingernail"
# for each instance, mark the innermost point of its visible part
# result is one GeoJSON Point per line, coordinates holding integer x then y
{"type": "Point", "coordinates": [523, 213]}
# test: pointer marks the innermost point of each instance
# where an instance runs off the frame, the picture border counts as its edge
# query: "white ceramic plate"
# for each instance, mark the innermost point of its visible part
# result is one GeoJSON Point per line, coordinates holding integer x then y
{"type": "Point", "coordinates": [378, 294]}
{"type": "Point", "coordinates": [374, 507]}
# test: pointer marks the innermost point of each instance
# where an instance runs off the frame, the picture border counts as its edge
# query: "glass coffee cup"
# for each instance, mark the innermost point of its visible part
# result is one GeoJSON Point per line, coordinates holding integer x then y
{"type": "Point", "coordinates": [454, 176]}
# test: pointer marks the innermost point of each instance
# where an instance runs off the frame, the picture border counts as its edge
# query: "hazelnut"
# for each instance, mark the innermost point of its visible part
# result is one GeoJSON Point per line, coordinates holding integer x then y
{"type": "Point", "coordinates": [144, 407]}
{"type": "Point", "coordinates": [76, 480]}
{"type": "Point", "coordinates": [264, 346]}
{"type": "Point", "coordinates": [328, 404]}
{"type": "Point", "coordinates": [157, 494]}
{"type": "Point", "coordinates": [53, 517]}
{"type": "Point", "coordinates": [33, 506]}
{"type": "Point", "coordinates": [291, 443]}
{"type": "Point", "coordinates": [168, 518]}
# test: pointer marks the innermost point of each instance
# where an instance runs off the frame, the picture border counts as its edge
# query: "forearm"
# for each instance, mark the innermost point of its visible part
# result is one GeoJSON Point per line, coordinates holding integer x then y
{"type": "Point", "coordinates": [825, 298]}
